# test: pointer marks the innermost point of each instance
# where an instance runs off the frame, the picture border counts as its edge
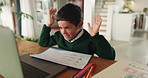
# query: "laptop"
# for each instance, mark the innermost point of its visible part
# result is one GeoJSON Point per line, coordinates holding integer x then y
{"type": "Point", "coordinates": [13, 66]}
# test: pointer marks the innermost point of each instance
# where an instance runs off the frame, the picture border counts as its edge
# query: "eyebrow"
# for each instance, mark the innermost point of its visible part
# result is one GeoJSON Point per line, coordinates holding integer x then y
{"type": "Point", "coordinates": [65, 27]}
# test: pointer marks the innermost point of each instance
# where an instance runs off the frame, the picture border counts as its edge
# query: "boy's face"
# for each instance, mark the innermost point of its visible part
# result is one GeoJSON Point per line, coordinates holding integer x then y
{"type": "Point", "coordinates": [68, 30]}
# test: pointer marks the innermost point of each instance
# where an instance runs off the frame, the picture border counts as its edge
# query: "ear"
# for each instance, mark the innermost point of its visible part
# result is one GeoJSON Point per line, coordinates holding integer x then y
{"type": "Point", "coordinates": [80, 25]}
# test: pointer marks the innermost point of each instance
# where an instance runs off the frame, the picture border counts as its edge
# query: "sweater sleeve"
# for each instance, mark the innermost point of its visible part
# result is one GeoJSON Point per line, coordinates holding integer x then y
{"type": "Point", "coordinates": [45, 39]}
{"type": "Point", "coordinates": [102, 47]}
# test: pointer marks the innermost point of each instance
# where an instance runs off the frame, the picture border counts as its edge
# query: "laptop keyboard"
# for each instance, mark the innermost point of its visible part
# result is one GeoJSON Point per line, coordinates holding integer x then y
{"type": "Point", "coordinates": [33, 72]}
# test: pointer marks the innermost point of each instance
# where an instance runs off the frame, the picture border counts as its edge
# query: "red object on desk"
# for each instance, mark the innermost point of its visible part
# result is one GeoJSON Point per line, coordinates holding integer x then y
{"type": "Point", "coordinates": [86, 72]}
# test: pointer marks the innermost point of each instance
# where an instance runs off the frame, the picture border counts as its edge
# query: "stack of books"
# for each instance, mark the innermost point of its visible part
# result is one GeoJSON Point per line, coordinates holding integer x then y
{"type": "Point", "coordinates": [86, 72]}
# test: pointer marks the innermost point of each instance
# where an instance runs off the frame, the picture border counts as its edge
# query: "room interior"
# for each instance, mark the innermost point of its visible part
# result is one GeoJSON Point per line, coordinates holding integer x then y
{"type": "Point", "coordinates": [130, 44]}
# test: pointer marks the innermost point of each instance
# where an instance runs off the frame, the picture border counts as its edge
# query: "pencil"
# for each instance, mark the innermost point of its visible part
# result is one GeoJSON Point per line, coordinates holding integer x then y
{"type": "Point", "coordinates": [89, 72]}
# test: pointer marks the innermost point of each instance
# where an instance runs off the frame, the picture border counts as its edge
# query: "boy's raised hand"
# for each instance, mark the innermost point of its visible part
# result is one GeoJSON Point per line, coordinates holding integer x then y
{"type": "Point", "coordinates": [95, 27]}
{"type": "Point", "coordinates": [51, 18]}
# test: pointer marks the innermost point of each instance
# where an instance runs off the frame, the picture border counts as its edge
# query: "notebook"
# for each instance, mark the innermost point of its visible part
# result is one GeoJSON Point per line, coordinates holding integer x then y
{"type": "Point", "coordinates": [13, 66]}
{"type": "Point", "coordinates": [64, 57]}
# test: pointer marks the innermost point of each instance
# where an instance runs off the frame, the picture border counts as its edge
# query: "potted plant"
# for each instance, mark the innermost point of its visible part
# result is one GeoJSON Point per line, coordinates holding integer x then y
{"type": "Point", "coordinates": [145, 10]}
{"type": "Point", "coordinates": [128, 6]}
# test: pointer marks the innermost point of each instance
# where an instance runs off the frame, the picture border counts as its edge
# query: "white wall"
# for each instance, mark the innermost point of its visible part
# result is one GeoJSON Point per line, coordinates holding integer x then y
{"type": "Point", "coordinates": [89, 6]}
{"type": "Point", "coordinates": [140, 4]}
{"type": "Point", "coordinates": [119, 5]}
{"type": "Point", "coordinates": [6, 16]}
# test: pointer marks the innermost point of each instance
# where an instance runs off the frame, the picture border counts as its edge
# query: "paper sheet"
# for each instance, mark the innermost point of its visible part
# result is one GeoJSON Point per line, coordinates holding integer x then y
{"type": "Point", "coordinates": [68, 58]}
{"type": "Point", "coordinates": [124, 69]}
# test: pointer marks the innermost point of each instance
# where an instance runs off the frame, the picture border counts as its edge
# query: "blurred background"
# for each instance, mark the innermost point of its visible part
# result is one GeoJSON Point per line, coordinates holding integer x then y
{"type": "Point", "coordinates": [125, 22]}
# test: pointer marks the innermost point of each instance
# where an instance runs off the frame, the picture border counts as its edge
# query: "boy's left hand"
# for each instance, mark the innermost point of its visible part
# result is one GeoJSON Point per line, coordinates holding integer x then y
{"type": "Point", "coordinates": [95, 27]}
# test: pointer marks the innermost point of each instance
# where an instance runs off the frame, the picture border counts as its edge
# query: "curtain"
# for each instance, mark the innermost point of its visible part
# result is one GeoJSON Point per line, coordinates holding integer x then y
{"type": "Point", "coordinates": [28, 24]}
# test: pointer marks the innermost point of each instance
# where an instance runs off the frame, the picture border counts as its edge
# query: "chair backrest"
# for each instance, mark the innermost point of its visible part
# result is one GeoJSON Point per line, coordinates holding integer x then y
{"type": "Point", "coordinates": [10, 66]}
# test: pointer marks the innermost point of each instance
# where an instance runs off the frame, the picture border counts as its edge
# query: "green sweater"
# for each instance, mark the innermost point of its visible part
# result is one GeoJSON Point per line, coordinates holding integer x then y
{"type": "Point", "coordinates": [85, 44]}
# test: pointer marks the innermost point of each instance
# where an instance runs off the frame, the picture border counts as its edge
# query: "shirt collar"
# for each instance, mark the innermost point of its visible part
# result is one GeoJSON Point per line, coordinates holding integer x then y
{"type": "Point", "coordinates": [78, 36]}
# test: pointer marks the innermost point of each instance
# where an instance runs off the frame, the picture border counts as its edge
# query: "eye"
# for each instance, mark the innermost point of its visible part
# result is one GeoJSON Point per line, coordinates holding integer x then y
{"type": "Point", "coordinates": [60, 27]}
{"type": "Point", "coordinates": [68, 28]}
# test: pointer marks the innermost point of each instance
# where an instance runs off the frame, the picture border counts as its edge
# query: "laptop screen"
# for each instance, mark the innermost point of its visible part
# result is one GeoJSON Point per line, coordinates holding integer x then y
{"type": "Point", "coordinates": [13, 66]}
{"type": "Point", "coordinates": [9, 58]}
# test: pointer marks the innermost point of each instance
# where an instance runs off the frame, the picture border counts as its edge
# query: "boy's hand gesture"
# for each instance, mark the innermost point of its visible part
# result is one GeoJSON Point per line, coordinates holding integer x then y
{"type": "Point", "coordinates": [51, 18]}
{"type": "Point", "coordinates": [95, 27]}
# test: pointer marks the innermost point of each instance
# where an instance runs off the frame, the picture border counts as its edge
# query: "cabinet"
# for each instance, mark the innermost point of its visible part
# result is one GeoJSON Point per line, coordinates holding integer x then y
{"type": "Point", "coordinates": [122, 27]}
{"type": "Point", "coordinates": [146, 23]}
{"type": "Point", "coordinates": [140, 22]}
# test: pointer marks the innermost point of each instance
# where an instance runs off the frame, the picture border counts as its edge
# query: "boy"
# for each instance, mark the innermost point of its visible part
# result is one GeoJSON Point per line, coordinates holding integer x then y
{"type": "Point", "coordinates": [71, 35]}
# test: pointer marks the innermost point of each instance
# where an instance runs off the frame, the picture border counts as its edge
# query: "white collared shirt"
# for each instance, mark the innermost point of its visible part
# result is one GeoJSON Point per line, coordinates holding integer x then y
{"type": "Point", "coordinates": [78, 36]}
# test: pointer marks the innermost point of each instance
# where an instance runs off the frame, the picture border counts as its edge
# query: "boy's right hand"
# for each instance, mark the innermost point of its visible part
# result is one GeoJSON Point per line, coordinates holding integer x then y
{"type": "Point", "coordinates": [51, 18]}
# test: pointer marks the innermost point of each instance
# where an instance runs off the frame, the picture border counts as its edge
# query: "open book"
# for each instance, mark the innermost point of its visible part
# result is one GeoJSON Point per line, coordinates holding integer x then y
{"type": "Point", "coordinates": [68, 58]}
